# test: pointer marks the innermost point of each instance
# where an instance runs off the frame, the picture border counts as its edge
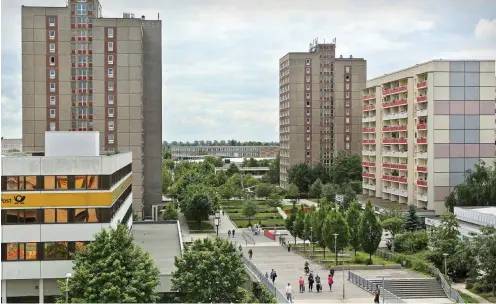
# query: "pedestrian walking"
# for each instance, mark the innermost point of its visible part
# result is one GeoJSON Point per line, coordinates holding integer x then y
{"type": "Point", "coordinates": [301, 282]}
{"type": "Point", "coordinates": [229, 233]}
{"type": "Point", "coordinates": [289, 246]}
{"type": "Point", "coordinates": [377, 294]}
{"type": "Point", "coordinates": [266, 275]}
{"type": "Point", "coordinates": [310, 282]}
{"type": "Point", "coordinates": [289, 293]}
{"type": "Point", "coordinates": [240, 249]}
{"type": "Point", "coordinates": [250, 253]}
{"type": "Point", "coordinates": [222, 212]}
{"type": "Point", "coordinates": [330, 281]}
{"type": "Point", "coordinates": [317, 282]}
{"type": "Point", "coordinates": [233, 232]}
{"type": "Point", "coordinates": [273, 275]}
{"type": "Point", "coordinates": [332, 272]}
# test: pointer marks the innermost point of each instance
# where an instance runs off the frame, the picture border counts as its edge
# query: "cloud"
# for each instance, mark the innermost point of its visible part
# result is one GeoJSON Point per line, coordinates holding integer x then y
{"type": "Point", "coordinates": [486, 29]}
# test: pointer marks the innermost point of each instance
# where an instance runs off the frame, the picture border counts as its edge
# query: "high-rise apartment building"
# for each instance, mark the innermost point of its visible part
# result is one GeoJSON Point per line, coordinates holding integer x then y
{"type": "Point", "coordinates": [319, 105]}
{"type": "Point", "coordinates": [424, 127]}
{"type": "Point", "coordinates": [83, 72]}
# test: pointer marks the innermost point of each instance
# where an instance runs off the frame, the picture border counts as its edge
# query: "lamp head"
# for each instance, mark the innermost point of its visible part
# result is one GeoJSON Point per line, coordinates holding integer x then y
{"type": "Point", "coordinates": [68, 275]}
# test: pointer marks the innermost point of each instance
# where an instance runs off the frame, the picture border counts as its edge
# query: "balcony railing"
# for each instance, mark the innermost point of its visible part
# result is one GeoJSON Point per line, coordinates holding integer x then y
{"type": "Point", "coordinates": [368, 175]}
{"type": "Point", "coordinates": [395, 90]}
{"type": "Point", "coordinates": [395, 153]}
{"type": "Point", "coordinates": [395, 116]}
{"type": "Point", "coordinates": [394, 103]}
{"type": "Point", "coordinates": [368, 164]}
{"type": "Point", "coordinates": [395, 141]}
{"type": "Point", "coordinates": [421, 154]}
{"type": "Point", "coordinates": [368, 141]}
{"type": "Point", "coordinates": [421, 98]}
{"type": "Point", "coordinates": [369, 108]}
{"type": "Point", "coordinates": [369, 152]}
{"type": "Point", "coordinates": [368, 119]}
{"type": "Point", "coordinates": [421, 113]}
{"type": "Point", "coordinates": [422, 183]}
{"type": "Point", "coordinates": [422, 197]}
{"type": "Point", "coordinates": [422, 127]}
{"type": "Point", "coordinates": [394, 179]}
{"type": "Point", "coordinates": [368, 130]}
{"type": "Point", "coordinates": [394, 128]}
{"type": "Point", "coordinates": [368, 186]}
{"type": "Point", "coordinates": [395, 166]}
{"type": "Point", "coordinates": [421, 169]}
{"type": "Point", "coordinates": [395, 191]}
{"type": "Point", "coordinates": [365, 97]}
{"type": "Point", "coordinates": [422, 84]}
{"type": "Point", "coordinates": [421, 140]}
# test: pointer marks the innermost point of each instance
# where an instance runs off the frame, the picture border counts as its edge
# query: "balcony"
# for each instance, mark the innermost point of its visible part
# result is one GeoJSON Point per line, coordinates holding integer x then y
{"type": "Point", "coordinates": [395, 166]}
{"type": "Point", "coordinates": [368, 164]}
{"type": "Point", "coordinates": [396, 179]}
{"type": "Point", "coordinates": [395, 191]}
{"type": "Point", "coordinates": [368, 130]}
{"type": "Point", "coordinates": [421, 113]}
{"type": "Point", "coordinates": [421, 140]}
{"type": "Point", "coordinates": [422, 99]}
{"type": "Point", "coordinates": [368, 175]}
{"type": "Point", "coordinates": [368, 141]}
{"type": "Point", "coordinates": [421, 169]}
{"type": "Point", "coordinates": [394, 103]}
{"type": "Point", "coordinates": [422, 126]}
{"type": "Point", "coordinates": [422, 197]}
{"type": "Point", "coordinates": [421, 155]}
{"type": "Point", "coordinates": [368, 119]}
{"type": "Point", "coordinates": [395, 116]}
{"type": "Point", "coordinates": [368, 186]}
{"type": "Point", "coordinates": [366, 97]}
{"type": "Point", "coordinates": [395, 153]}
{"type": "Point", "coordinates": [395, 141]}
{"type": "Point", "coordinates": [422, 183]}
{"type": "Point", "coordinates": [369, 152]}
{"type": "Point", "coordinates": [394, 128]}
{"type": "Point", "coordinates": [422, 85]}
{"type": "Point", "coordinates": [395, 90]}
{"type": "Point", "coordinates": [369, 108]}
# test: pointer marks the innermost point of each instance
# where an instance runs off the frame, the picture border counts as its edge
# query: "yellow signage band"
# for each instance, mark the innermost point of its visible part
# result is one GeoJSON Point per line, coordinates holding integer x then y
{"type": "Point", "coordinates": [64, 199]}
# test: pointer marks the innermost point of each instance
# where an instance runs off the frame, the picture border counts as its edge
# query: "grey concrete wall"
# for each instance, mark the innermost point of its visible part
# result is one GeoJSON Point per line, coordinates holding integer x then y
{"type": "Point", "coordinates": [152, 112]}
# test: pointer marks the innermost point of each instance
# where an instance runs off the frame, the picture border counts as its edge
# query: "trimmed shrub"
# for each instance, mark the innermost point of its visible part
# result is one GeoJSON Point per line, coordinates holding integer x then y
{"type": "Point", "coordinates": [411, 242]}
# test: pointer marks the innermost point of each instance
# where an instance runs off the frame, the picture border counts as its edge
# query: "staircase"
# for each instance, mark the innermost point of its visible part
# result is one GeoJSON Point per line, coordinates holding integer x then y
{"type": "Point", "coordinates": [412, 288]}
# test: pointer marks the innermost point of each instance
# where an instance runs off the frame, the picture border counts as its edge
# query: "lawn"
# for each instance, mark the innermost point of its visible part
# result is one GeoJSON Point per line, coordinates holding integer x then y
{"type": "Point", "coordinates": [265, 223]}
{"type": "Point", "coordinates": [486, 295]}
{"type": "Point", "coordinates": [194, 227]}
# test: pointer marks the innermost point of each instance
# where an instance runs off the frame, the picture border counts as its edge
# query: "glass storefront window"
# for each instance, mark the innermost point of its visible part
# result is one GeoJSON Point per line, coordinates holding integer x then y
{"type": "Point", "coordinates": [13, 252]}
{"type": "Point", "coordinates": [62, 182]}
{"type": "Point", "coordinates": [31, 251]}
{"type": "Point", "coordinates": [31, 183]}
{"type": "Point", "coordinates": [12, 182]}
{"type": "Point", "coordinates": [80, 182]}
{"type": "Point", "coordinates": [49, 182]}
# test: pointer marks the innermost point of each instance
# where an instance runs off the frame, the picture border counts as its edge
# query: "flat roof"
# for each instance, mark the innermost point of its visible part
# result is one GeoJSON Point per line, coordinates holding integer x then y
{"type": "Point", "coordinates": [161, 241]}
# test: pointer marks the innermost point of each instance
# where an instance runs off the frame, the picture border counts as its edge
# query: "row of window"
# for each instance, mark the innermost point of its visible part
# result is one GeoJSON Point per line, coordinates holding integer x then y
{"type": "Point", "coordinates": [40, 251]}
{"type": "Point", "coordinates": [64, 182]}
{"type": "Point", "coordinates": [64, 215]}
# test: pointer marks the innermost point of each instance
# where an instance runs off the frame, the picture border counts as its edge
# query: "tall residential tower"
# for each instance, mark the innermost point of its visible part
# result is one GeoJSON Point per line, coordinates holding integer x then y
{"type": "Point", "coordinates": [83, 72]}
{"type": "Point", "coordinates": [319, 105]}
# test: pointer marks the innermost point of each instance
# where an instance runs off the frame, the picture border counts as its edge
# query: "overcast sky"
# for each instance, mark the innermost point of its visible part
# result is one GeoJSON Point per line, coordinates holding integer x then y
{"type": "Point", "coordinates": [220, 57]}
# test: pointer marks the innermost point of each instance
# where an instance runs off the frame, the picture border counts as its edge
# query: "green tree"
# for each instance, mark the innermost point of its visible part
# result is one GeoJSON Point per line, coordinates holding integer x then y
{"type": "Point", "coordinates": [394, 225]}
{"type": "Point", "coordinates": [329, 191]}
{"type": "Point", "coordinates": [349, 196]}
{"type": "Point", "coordinates": [485, 250]}
{"type": "Point", "coordinates": [293, 192]}
{"type": "Point", "coordinates": [198, 202]}
{"type": "Point", "coordinates": [299, 225]}
{"type": "Point", "coordinates": [412, 221]}
{"type": "Point", "coordinates": [318, 219]}
{"type": "Point", "coordinates": [353, 218]}
{"type": "Point", "coordinates": [169, 164]}
{"type": "Point", "coordinates": [300, 175]}
{"type": "Point", "coordinates": [308, 230]}
{"type": "Point", "coordinates": [214, 161]}
{"type": "Point", "coordinates": [112, 269]}
{"type": "Point", "coordinates": [316, 189]}
{"type": "Point", "coordinates": [170, 213]}
{"type": "Point", "coordinates": [167, 153]}
{"type": "Point", "coordinates": [335, 224]}
{"type": "Point", "coordinates": [274, 201]}
{"type": "Point", "coordinates": [273, 174]}
{"type": "Point", "coordinates": [264, 190]}
{"type": "Point", "coordinates": [232, 170]}
{"type": "Point", "coordinates": [167, 180]}
{"type": "Point", "coordinates": [250, 209]}
{"type": "Point", "coordinates": [370, 231]}
{"type": "Point", "coordinates": [346, 167]}
{"type": "Point", "coordinates": [318, 171]}
{"type": "Point", "coordinates": [356, 186]}
{"type": "Point", "coordinates": [290, 222]}
{"type": "Point", "coordinates": [210, 271]}
{"type": "Point", "coordinates": [444, 239]}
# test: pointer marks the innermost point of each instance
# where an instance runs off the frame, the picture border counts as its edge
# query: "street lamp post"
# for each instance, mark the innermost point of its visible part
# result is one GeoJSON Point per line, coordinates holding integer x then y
{"type": "Point", "coordinates": [217, 221]}
{"type": "Point", "coordinates": [336, 247]}
{"type": "Point", "coordinates": [445, 266]}
{"type": "Point", "coordinates": [313, 242]}
{"type": "Point", "coordinates": [67, 277]}
{"type": "Point", "coordinates": [344, 255]}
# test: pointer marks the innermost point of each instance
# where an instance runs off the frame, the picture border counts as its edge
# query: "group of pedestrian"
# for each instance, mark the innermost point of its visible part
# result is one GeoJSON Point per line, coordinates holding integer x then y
{"type": "Point", "coordinates": [311, 281]}
{"type": "Point", "coordinates": [255, 229]}
{"type": "Point", "coordinates": [272, 276]}
{"type": "Point", "coordinates": [229, 233]}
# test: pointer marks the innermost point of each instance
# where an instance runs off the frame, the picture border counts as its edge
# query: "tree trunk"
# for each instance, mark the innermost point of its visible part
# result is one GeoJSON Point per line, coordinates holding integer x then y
{"type": "Point", "coordinates": [324, 252]}
{"type": "Point", "coordinates": [370, 258]}
{"type": "Point", "coordinates": [355, 252]}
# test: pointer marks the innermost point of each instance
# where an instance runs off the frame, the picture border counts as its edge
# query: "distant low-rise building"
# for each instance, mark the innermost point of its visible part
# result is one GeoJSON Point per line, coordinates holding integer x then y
{"type": "Point", "coordinates": [225, 151]}
{"type": "Point", "coordinates": [10, 145]}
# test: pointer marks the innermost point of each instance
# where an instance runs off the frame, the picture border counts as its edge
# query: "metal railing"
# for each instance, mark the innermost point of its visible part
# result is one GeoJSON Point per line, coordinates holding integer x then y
{"type": "Point", "coordinates": [450, 292]}
{"type": "Point", "coordinates": [370, 287]}
{"type": "Point", "coordinates": [281, 298]}
{"type": "Point", "coordinates": [248, 238]}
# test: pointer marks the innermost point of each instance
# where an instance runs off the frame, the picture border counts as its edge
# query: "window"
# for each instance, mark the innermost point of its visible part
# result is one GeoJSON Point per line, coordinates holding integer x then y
{"type": "Point", "coordinates": [52, 113]}
{"type": "Point", "coordinates": [347, 120]}
{"type": "Point", "coordinates": [82, 73]}
{"type": "Point", "coordinates": [61, 182]}
{"type": "Point", "coordinates": [308, 153]}
{"type": "Point", "coordinates": [51, 33]}
{"type": "Point", "coordinates": [20, 216]}
{"type": "Point", "coordinates": [81, 46]}
{"type": "Point", "coordinates": [52, 126]}
{"type": "Point", "coordinates": [307, 61]}
{"type": "Point", "coordinates": [110, 46]}
{"type": "Point", "coordinates": [21, 251]}
{"type": "Point", "coordinates": [56, 251]}
{"type": "Point", "coordinates": [30, 182]}
{"type": "Point", "coordinates": [308, 87]}
{"type": "Point", "coordinates": [82, 59]}
{"type": "Point", "coordinates": [347, 86]}
{"type": "Point", "coordinates": [347, 111]}
{"type": "Point", "coordinates": [52, 60]}
{"type": "Point", "coordinates": [347, 69]}
{"type": "Point", "coordinates": [111, 125]}
{"type": "Point", "coordinates": [86, 215]}
{"type": "Point", "coordinates": [82, 33]}
{"type": "Point", "coordinates": [82, 85]}
{"type": "Point", "coordinates": [81, 20]}
{"type": "Point", "coordinates": [110, 32]}
{"type": "Point", "coordinates": [51, 20]}
{"type": "Point", "coordinates": [347, 146]}
{"type": "Point", "coordinates": [80, 9]}
{"type": "Point", "coordinates": [110, 99]}
{"type": "Point", "coordinates": [307, 78]}
{"type": "Point", "coordinates": [80, 182]}
{"type": "Point", "coordinates": [111, 73]}
{"type": "Point", "coordinates": [307, 70]}
{"type": "Point", "coordinates": [111, 112]}
{"type": "Point", "coordinates": [307, 95]}
{"type": "Point", "coordinates": [52, 74]}
{"type": "Point", "coordinates": [111, 138]}
{"type": "Point", "coordinates": [52, 87]}
{"type": "Point", "coordinates": [308, 103]}
{"type": "Point", "coordinates": [111, 86]}
{"type": "Point", "coordinates": [110, 59]}
{"type": "Point", "coordinates": [347, 77]}
{"type": "Point", "coordinates": [347, 128]}
{"type": "Point", "coordinates": [52, 47]}
{"type": "Point", "coordinates": [347, 94]}
{"type": "Point", "coordinates": [93, 182]}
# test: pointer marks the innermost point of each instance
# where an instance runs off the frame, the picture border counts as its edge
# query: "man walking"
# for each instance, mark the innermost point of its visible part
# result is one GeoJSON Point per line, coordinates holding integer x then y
{"type": "Point", "coordinates": [229, 233]}
{"type": "Point", "coordinates": [233, 232]}
{"type": "Point", "coordinates": [310, 282]}
{"type": "Point", "coordinates": [289, 293]}
{"type": "Point", "coordinates": [273, 275]}
{"type": "Point", "coordinates": [250, 253]}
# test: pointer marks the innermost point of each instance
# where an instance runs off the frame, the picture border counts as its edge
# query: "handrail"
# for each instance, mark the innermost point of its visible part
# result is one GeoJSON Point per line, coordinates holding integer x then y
{"type": "Point", "coordinates": [281, 298]}
{"type": "Point", "coordinates": [370, 287]}
{"type": "Point", "coordinates": [180, 233]}
{"type": "Point", "coordinates": [248, 237]}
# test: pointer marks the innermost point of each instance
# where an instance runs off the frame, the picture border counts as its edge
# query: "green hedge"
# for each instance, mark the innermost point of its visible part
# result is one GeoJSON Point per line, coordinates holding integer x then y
{"type": "Point", "coordinates": [264, 223]}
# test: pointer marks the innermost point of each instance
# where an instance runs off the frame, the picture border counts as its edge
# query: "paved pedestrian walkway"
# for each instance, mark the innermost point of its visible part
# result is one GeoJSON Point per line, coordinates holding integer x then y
{"type": "Point", "coordinates": [461, 287]}
{"type": "Point", "coordinates": [282, 213]}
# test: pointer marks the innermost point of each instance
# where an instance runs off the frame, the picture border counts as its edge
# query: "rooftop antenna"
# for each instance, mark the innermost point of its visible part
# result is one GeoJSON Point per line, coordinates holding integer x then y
{"type": "Point", "coordinates": [158, 16]}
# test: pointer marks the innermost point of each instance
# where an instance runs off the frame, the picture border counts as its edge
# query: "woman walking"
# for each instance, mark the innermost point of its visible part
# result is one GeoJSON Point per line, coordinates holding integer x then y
{"type": "Point", "coordinates": [330, 281]}
{"type": "Point", "coordinates": [377, 294]}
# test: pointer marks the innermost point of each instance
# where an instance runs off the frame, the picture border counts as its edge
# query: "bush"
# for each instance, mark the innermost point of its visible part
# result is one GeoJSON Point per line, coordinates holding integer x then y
{"type": "Point", "coordinates": [170, 213]}
{"type": "Point", "coordinates": [415, 263]}
{"type": "Point", "coordinates": [263, 294]}
{"type": "Point", "coordinates": [411, 242]}
{"type": "Point", "coordinates": [360, 259]}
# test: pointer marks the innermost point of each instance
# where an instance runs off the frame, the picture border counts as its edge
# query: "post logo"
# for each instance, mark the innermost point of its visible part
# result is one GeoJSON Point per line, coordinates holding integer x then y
{"type": "Point", "coordinates": [19, 199]}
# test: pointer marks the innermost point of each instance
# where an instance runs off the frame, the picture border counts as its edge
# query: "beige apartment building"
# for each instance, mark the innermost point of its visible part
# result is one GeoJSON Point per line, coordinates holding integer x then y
{"type": "Point", "coordinates": [225, 151]}
{"type": "Point", "coordinates": [319, 105]}
{"type": "Point", "coordinates": [424, 127]}
{"type": "Point", "coordinates": [82, 72]}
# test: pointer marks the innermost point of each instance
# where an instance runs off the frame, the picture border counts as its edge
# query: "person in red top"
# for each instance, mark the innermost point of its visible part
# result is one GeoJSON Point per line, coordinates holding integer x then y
{"type": "Point", "coordinates": [301, 282]}
{"type": "Point", "coordinates": [330, 281]}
